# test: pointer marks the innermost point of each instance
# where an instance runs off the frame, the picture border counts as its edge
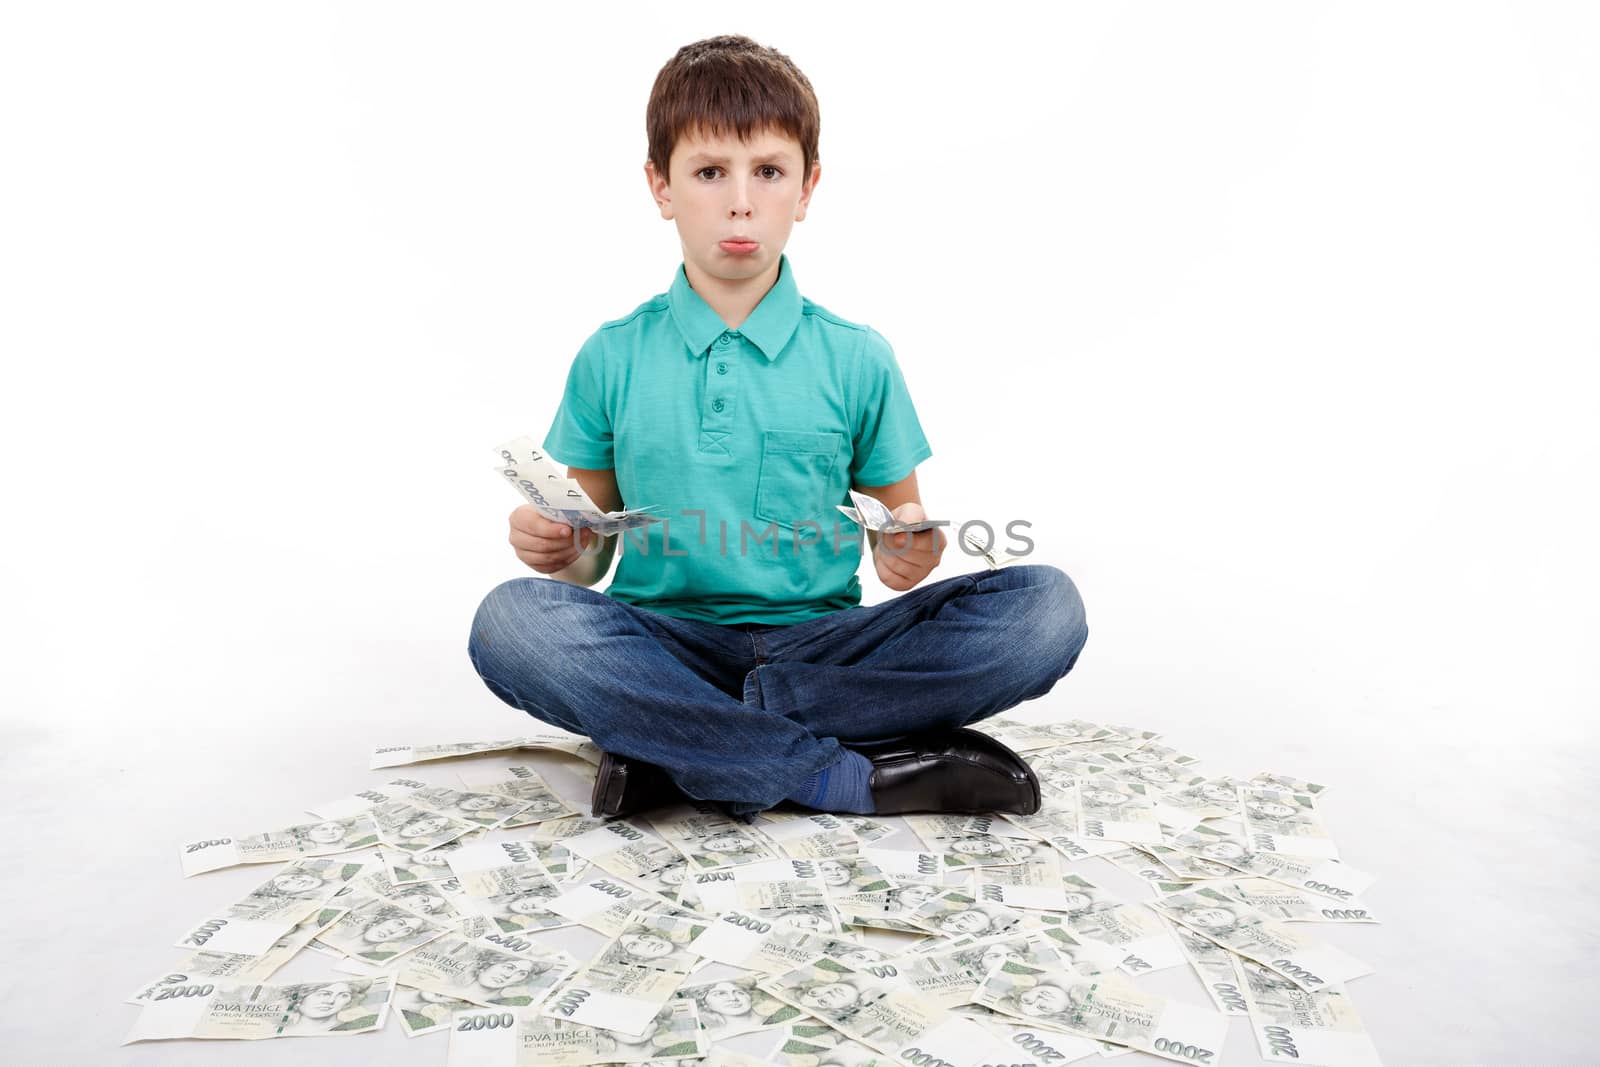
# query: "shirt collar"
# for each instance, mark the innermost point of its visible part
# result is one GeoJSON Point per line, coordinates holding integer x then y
{"type": "Point", "coordinates": [769, 326]}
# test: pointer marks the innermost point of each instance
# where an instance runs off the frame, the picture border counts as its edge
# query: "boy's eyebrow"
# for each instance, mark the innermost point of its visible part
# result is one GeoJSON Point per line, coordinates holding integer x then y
{"type": "Point", "coordinates": [771, 157]}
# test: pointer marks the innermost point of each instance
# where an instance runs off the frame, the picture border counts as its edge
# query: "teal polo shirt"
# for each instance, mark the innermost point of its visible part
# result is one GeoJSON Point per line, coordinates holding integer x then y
{"type": "Point", "coordinates": [744, 440]}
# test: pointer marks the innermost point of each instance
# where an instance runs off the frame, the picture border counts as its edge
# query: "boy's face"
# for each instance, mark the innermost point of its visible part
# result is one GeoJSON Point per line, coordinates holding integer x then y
{"type": "Point", "coordinates": [721, 188]}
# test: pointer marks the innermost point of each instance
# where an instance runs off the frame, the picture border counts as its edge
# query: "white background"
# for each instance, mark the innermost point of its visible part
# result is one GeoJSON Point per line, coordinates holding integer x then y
{"type": "Point", "coordinates": [1276, 320]}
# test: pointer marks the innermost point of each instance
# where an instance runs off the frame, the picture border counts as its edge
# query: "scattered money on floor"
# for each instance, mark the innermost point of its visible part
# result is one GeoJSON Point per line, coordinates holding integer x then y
{"type": "Point", "coordinates": [431, 898]}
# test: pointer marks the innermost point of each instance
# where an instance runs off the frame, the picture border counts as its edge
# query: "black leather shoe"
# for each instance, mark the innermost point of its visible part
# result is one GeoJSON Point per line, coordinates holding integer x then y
{"type": "Point", "coordinates": [623, 786]}
{"type": "Point", "coordinates": [949, 771]}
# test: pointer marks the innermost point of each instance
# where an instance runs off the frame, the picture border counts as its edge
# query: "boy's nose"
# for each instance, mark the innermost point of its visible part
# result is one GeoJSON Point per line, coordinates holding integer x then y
{"type": "Point", "coordinates": [741, 202]}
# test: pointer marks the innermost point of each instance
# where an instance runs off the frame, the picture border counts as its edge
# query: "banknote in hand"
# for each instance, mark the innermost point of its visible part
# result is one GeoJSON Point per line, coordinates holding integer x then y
{"type": "Point", "coordinates": [531, 472]}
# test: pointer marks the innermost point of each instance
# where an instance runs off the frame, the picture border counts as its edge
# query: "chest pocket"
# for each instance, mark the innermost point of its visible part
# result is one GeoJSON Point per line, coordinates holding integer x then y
{"type": "Point", "coordinates": [796, 472]}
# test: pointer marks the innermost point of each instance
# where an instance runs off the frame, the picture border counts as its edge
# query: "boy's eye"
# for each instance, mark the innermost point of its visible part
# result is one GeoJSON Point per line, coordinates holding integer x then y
{"type": "Point", "coordinates": [766, 170]}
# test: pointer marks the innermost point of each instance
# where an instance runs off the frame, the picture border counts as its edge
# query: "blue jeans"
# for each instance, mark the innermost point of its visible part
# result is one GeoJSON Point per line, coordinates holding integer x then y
{"type": "Point", "coordinates": [743, 714]}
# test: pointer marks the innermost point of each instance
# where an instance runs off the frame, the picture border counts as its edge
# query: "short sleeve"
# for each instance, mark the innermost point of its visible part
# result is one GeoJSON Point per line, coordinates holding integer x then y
{"type": "Point", "coordinates": [580, 433]}
{"type": "Point", "coordinates": [889, 442]}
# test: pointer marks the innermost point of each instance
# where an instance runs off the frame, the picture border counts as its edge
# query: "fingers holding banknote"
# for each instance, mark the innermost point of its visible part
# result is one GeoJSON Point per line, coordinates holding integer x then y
{"type": "Point", "coordinates": [544, 544]}
{"type": "Point", "coordinates": [904, 559]}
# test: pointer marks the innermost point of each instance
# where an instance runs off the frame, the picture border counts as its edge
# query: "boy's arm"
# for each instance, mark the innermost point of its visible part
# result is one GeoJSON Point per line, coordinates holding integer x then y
{"type": "Point", "coordinates": [601, 486]}
{"type": "Point", "coordinates": [908, 558]}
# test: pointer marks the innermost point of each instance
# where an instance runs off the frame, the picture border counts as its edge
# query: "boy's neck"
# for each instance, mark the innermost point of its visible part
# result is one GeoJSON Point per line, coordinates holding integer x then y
{"type": "Point", "coordinates": [732, 300]}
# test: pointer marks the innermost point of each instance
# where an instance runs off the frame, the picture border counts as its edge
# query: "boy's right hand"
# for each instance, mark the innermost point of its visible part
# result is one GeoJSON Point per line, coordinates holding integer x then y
{"type": "Point", "coordinates": [544, 544]}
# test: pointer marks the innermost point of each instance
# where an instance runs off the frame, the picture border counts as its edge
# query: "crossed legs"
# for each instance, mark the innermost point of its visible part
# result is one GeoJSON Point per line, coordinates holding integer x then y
{"type": "Point", "coordinates": [661, 689]}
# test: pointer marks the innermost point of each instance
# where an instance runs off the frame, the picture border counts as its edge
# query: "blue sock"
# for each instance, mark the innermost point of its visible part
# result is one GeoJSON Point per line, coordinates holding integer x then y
{"type": "Point", "coordinates": [843, 785]}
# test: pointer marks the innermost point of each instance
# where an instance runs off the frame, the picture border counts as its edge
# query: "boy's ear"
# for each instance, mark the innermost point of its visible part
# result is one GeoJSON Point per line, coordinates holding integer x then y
{"type": "Point", "coordinates": [805, 191]}
{"type": "Point", "coordinates": [660, 192]}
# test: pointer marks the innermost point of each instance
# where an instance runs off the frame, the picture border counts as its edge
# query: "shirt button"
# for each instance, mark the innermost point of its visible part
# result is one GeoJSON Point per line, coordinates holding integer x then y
{"type": "Point", "coordinates": [717, 406]}
{"type": "Point", "coordinates": [722, 368]}
{"type": "Point", "coordinates": [724, 341]}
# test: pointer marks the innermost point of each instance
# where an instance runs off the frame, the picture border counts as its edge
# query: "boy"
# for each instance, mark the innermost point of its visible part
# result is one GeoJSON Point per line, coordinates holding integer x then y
{"type": "Point", "coordinates": [749, 673]}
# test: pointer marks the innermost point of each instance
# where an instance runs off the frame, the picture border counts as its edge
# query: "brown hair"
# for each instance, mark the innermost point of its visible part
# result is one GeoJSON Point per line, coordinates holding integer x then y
{"type": "Point", "coordinates": [730, 84]}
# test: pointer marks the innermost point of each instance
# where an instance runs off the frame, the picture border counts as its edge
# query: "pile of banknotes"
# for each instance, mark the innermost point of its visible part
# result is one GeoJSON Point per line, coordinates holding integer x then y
{"type": "Point", "coordinates": [991, 941]}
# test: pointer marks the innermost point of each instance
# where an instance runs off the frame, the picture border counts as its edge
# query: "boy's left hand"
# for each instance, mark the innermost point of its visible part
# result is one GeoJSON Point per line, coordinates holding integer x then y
{"type": "Point", "coordinates": [904, 559]}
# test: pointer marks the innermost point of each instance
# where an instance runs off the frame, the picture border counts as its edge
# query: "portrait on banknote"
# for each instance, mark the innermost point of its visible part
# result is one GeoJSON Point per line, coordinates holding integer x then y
{"type": "Point", "coordinates": [906, 899]}
{"type": "Point", "coordinates": [735, 1006]}
{"type": "Point", "coordinates": [853, 955]}
{"type": "Point", "coordinates": [320, 1007]}
{"type": "Point", "coordinates": [835, 999]}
